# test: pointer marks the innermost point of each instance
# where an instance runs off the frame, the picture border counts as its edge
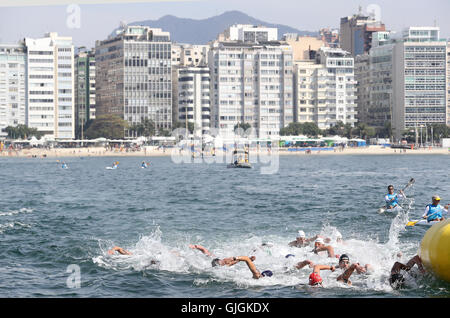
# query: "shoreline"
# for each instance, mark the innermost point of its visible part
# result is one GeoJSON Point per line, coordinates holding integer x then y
{"type": "Point", "coordinates": [153, 152]}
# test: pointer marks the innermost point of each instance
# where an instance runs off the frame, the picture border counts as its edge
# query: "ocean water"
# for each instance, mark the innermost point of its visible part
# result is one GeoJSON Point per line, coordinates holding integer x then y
{"type": "Point", "coordinates": [56, 225]}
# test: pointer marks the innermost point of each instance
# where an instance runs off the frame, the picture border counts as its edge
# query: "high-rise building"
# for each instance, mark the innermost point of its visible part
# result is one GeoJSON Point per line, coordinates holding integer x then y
{"type": "Point", "coordinates": [194, 97]}
{"type": "Point", "coordinates": [185, 55]}
{"type": "Point", "coordinates": [50, 91]}
{"type": "Point", "coordinates": [12, 86]}
{"type": "Point", "coordinates": [134, 76]}
{"type": "Point", "coordinates": [84, 90]}
{"type": "Point", "coordinates": [356, 33]}
{"type": "Point", "coordinates": [419, 79]}
{"type": "Point", "coordinates": [325, 89]}
{"type": "Point", "coordinates": [409, 80]}
{"type": "Point", "coordinates": [363, 82]}
{"type": "Point", "coordinates": [251, 82]}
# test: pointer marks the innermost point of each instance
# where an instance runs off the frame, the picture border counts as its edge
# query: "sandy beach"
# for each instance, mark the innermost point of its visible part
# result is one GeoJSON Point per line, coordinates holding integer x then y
{"type": "Point", "coordinates": [155, 151]}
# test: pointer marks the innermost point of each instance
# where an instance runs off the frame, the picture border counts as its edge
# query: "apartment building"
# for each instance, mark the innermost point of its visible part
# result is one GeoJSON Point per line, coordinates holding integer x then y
{"type": "Point", "coordinates": [185, 56]}
{"type": "Point", "coordinates": [134, 76]}
{"type": "Point", "coordinates": [84, 90]}
{"type": "Point", "coordinates": [325, 91]}
{"type": "Point", "coordinates": [419, 79]}
{"type": "Point", "coordinates": [12, 86]}
{"type": "Point", "coordinates": [50, 90]}
{"type": "Point", "coordinates": [408, 79]}
{"type": "Point", "coordinates": [194, 97]}
{"type": "Point", "coordinates": [251, 82]}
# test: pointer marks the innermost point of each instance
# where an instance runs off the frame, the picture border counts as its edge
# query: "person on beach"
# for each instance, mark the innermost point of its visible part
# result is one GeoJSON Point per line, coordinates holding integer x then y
{"type": "Point", "coordinates": [392, 198]}
{"type": "Point", "coordinates": [228, 261]}
{"type": "Point", "coordinates": [396, 279]}
{"type": "Point", "coordinates": [433, 211]}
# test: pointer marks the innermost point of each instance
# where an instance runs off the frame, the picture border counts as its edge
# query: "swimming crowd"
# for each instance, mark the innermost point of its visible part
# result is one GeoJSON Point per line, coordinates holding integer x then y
{"type": "Point", "coordinates": [433, 212]}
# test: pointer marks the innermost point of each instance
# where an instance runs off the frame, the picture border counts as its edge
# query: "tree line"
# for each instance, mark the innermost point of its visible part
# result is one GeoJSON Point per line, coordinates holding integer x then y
{"type": "Point", "coordinates": [114, 127]}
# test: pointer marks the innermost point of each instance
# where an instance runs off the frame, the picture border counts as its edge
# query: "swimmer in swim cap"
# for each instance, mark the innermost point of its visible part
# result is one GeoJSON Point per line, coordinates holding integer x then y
{"type": "Point", "coordinates": [319, 246]}
{"type": "Point", "coordinates": [344, 263]}
{"type": "Point", "coordinates": [315, 279]}
{"type": "Point", "coordinates": [301, 240]}
{"type": "Point", "coordinates": [253, 269]}
{"type": "Point", "coordinates": [228, 261]}
{"type": "Point", "coordinates": [396, 279]}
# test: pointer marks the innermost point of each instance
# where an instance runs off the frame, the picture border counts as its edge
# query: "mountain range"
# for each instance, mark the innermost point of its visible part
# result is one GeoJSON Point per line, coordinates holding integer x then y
{"type": "Point", "coordinates": [183, 30]}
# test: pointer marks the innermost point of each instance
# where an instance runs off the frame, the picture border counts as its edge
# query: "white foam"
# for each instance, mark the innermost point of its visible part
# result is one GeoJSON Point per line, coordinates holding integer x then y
{"type": "Point", "coordinates": [14, 212]}
{"type": "Point", "coordinates": [181, 259]}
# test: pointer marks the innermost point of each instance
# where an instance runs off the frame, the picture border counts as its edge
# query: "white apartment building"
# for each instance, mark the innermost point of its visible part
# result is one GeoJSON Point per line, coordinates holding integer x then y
{"type": "Point", "coordinates": [12, 86]}
{"type": "Point", "coordinates": [194, 97]}
{"type": "Point", "coordinates": [325, 91]}
{"type": "Point", "coordinates": [249, 33]}
{"type": "Point", "coordinates": [251, 83]}
{"type": "Point", "coordinates": [189, 54]}
{"type": "Point", "coordinates": [185, 55]}
{"type": "Point", "coordinates": [50, 92]}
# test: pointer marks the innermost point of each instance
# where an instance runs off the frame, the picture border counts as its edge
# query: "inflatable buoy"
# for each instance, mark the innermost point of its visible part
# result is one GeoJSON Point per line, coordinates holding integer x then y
{"type": "Point", "coordinates": [435, 250]}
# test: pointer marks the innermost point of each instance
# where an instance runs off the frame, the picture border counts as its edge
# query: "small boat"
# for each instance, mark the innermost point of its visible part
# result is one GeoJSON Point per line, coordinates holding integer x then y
{"type": "Point", "coordinates": [240, 165]}
{"type": "Point", "coordinates": [238, 160]}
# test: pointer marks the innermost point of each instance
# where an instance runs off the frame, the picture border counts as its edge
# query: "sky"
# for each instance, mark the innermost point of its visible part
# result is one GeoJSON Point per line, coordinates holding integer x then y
{"type": "Point", "coordinates": [97, 21]}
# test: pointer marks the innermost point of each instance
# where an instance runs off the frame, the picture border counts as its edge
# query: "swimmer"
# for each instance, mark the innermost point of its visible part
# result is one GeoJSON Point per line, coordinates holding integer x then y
{"type": "Point", "coordinates": [396, 279]}
{"type": "Point", "coordinates": [319, 246]}
{"type": "Point", "coordinates": [119, 250]}
{"type": "Point", "coordinates": [228, 261]}
{"type": "Point", "coordinates": [314, 278]}
{"type": "Point", "coordinates": [302, 241]}
{"type": "Point", "coordinates": [252, 267]}
{"type": "Point", "coordinates": [302, 264]}
{"type": "Point", "coordinates": [122, 251]}
{"type": "Point", "coordinates": [344, 263]}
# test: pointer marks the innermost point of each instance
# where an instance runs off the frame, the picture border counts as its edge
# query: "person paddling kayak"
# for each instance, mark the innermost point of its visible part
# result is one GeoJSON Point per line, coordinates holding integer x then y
{"type": "Point", "coordinates": [392, 198]}
{"type": "Point", "coordinates": [433, 211]}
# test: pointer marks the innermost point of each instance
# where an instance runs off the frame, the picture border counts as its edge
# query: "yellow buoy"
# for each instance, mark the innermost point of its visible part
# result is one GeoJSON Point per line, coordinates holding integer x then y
{"type": "Point", "coordinates": [435, 250]}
